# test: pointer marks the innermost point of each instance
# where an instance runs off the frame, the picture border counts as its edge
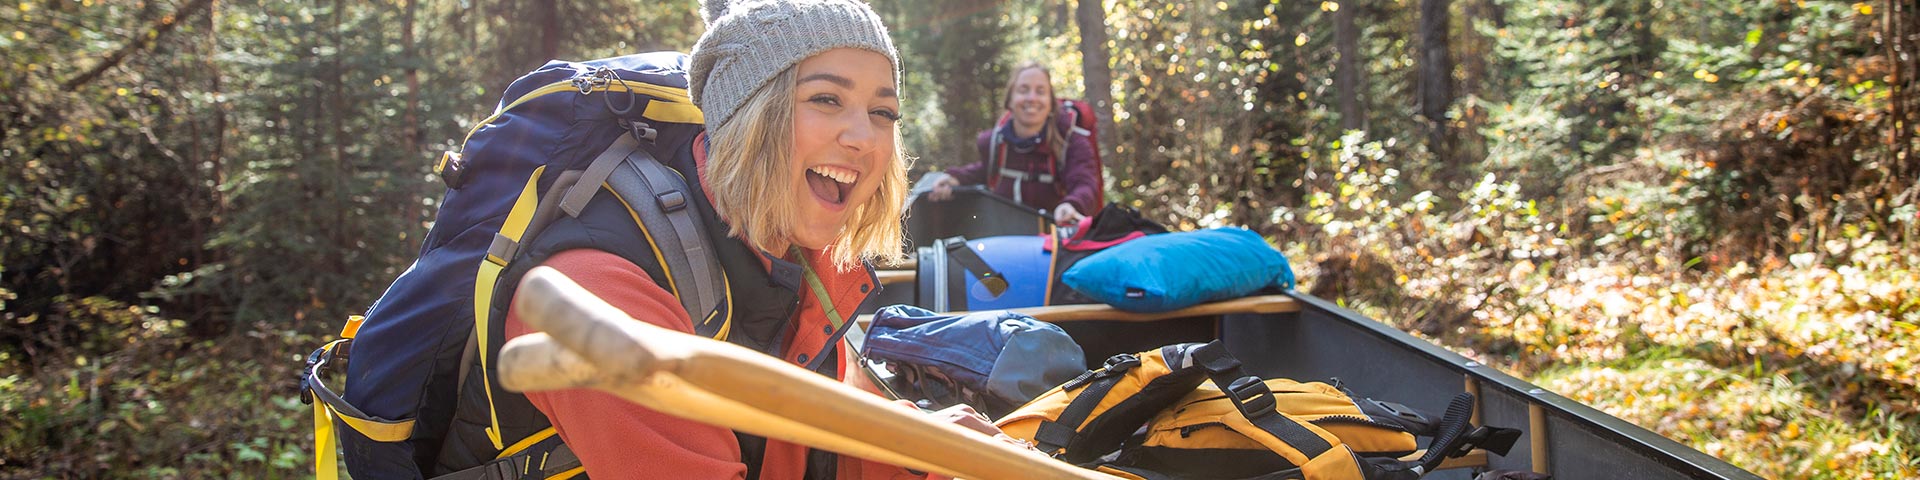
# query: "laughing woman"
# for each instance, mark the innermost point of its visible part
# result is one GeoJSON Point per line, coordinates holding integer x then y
{"type": "Point", "coordinates": [802, 170]}
{"type": "Point", "coordinates": [1033, 155]}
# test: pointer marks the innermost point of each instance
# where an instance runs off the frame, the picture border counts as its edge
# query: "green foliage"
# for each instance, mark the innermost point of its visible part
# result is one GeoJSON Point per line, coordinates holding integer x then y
{"type": "Point", "coordinates": [955, 56]}
{"type": "Point", "coordinates": [196, 189]}
{"type": "Point", "coordinates": [1214, 100]}
{"type": "Point", "coordinates": [143, 400]}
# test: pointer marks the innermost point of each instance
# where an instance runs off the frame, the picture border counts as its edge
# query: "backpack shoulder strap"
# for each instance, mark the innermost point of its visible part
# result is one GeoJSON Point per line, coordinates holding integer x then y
{"type": "Point", "coordinates": [658, 197]}
{"type": "Point", "coordinates": [996, 157]}
{"type": "Point", "coordinates": [1073, 122]}
{"type": "Point", "coordinates": [660, 204]}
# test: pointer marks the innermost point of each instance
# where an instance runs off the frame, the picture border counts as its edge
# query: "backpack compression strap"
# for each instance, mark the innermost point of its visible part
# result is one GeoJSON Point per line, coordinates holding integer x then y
{"type": "Point", "coordinates": [1302, 445]}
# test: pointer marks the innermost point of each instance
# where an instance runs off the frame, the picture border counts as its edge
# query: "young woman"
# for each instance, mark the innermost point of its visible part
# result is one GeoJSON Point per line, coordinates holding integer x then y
{"type": "Point", "coordinates": [804, 181]}
{"type": "Point", "coordinates": [1033, 157]}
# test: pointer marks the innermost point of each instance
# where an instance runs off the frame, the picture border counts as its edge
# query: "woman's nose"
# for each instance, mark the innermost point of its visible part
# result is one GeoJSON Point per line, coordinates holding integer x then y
{"type": "Point", "coordinates": [856, 133]}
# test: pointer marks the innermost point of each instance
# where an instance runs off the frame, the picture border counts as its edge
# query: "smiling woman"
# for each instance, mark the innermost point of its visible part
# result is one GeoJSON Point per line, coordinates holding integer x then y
{"type": "Point", "coordinates": [1036, 155]}
{"type": "Point", "coordinates": [801, 169]}
{"type": "Point", "coordinates": [826, 149]}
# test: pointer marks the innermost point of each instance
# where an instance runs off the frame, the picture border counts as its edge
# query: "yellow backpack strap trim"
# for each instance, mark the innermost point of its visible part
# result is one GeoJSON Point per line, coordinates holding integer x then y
{"type": "Point", "coordinates": [376, 428]}
{"type": "Point", "coordinates": [672, 105]}
{"type": "Point", "coordinates": [540, 455]}
{"type": "Point", "coordinates": [522, 445]}
{"type": "Point", "coordinates": [328, 406]}
{"type": "Point", "coordinates": [326, 464]}
{"type": "Point", "coordinates": [505, 245]}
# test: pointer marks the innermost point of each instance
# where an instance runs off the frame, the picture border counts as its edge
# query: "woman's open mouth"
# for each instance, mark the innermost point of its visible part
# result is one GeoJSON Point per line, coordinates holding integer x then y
{"type": "Point", "coordinates": [831, 183]}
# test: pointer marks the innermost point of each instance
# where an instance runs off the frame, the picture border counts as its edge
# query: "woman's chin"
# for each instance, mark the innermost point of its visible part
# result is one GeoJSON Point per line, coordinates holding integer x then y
{"type": "Point", "coordinates": [816, 236]}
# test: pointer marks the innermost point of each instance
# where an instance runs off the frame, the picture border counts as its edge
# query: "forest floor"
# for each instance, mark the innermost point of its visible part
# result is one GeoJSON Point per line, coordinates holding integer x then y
{"type": "Point", "coordinates": [1793, 369]}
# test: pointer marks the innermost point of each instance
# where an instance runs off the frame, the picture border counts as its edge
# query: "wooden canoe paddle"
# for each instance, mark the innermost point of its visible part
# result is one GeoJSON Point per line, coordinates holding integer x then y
{"type": "Point", "coordinates": [590, 343]}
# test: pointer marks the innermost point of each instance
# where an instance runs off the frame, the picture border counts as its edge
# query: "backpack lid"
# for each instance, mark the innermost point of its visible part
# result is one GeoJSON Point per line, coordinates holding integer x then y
{"type": "Point", "coordinates": [1008, 357]}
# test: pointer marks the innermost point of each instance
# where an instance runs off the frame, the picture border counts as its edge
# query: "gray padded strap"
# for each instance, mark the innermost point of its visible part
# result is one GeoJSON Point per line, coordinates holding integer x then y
{"type": "Point", "coordinates": [659, 197]}
{"type": "Point", "coordinates": [596, 174]}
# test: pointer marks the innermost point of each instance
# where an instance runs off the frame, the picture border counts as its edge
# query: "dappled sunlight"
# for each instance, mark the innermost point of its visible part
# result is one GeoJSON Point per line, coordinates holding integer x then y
{"type": "Point", "coordinates": [1810, 360]}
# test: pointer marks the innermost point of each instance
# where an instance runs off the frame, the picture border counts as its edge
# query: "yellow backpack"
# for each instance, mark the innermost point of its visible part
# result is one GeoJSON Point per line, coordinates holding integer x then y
{"type": "Point", "coordinates": [1254, 428]}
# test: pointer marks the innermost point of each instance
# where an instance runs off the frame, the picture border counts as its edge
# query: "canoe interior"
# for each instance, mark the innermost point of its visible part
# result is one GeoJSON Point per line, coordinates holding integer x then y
{"type": "Point", "coordinates": [1323, 341]}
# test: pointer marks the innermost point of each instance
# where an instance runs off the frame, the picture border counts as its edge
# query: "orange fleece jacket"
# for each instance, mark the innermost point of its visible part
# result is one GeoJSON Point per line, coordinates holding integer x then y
{"type": "Point", "coordinates": [617, 439]}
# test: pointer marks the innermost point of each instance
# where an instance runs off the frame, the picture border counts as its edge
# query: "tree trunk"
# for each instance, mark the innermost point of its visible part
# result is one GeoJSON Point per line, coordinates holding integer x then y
{"type": "Point", "coordinates": [1095, 72]}
{"type": "Point", "coordinates": [409, 54]}
{"type": "Point", "coordinates": [1436, 73]}
{"type": "Point", "coordinates": [1895, 40]}
{"type": "Point", "coordinates": [1346, 70]}
{"type": "Point", "coordinates": [336, 107]}
{"type": "Point", "coordinates": [550, 33]}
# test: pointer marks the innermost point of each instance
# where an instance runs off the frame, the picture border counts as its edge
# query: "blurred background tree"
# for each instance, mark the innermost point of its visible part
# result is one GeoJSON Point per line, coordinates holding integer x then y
{"type": "Point", "coordinates": [196, 191]}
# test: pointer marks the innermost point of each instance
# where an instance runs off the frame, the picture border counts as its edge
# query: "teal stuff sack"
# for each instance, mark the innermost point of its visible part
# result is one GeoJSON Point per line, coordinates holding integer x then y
{"type": "Point", "coordinates": [1159, 273]}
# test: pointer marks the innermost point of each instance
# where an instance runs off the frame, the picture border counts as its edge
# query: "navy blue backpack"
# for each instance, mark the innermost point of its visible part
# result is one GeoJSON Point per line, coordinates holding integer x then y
{"type": "Point", "coordinates": [562, 135]}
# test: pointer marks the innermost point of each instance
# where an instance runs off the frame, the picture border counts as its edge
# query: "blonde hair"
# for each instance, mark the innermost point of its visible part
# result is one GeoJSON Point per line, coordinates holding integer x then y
{"type": "Point", "coordinates": [1056, 139]}
{"type": "Point", "coordinates": [749, 160]}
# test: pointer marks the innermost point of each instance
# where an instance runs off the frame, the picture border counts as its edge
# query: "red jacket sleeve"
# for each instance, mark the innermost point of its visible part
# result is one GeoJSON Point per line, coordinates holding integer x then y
{"type": "Point", "coordinates": [615, 438]}
{"type": "Point", "coordinates": [1081, 179]}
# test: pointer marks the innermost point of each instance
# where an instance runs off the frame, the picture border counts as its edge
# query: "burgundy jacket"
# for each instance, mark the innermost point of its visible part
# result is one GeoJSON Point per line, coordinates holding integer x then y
{"type": "Point", "coordinates": [1075, 180]}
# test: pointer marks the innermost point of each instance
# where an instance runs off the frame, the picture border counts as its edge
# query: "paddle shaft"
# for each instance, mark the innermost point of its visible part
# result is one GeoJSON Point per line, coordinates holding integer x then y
{"type": "Point", "coordinates": [589, 343]}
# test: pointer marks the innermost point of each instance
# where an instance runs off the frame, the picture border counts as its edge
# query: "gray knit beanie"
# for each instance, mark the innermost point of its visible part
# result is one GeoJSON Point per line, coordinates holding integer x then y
{"type": "Point", "coordinates": [749, 41]}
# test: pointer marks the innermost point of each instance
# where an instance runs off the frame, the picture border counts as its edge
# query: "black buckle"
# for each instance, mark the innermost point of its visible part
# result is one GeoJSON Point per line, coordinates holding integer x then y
{"type": "Point", "coordinates": [640, 130]}
{"type": "Point", "coordinates": [301, 387]}
{"type": "Point", "coordinates": [1401, 411]}
{"type": "Point", "coordinates": [1119, 364]}
{"type": "Point", "coordinates": [452, 169]}
{"type": "Point", "coordinates": [1253, 397]}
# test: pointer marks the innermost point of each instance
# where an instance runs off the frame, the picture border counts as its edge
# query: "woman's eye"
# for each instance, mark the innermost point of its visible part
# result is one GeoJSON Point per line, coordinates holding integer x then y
{"type": "Point", "coordinates": [825, 100]}
{"type": "Point", "coordinates": [890, 115]}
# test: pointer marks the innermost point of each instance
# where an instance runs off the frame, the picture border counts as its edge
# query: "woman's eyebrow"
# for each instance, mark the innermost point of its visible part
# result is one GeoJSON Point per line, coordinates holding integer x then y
{"type": "Point", "coordinates": [844, 82]}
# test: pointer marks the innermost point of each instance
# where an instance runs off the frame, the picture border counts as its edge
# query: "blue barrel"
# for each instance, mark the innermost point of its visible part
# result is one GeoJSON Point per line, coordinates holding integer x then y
{"type": "Point", "coordinates": [945, 283]}
{"type": "Point", "coordinates": [1022, 261]}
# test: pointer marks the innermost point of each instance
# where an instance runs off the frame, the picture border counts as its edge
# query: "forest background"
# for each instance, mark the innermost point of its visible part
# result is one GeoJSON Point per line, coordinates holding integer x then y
{"type": "Point", "coordinates": [1698, 215]}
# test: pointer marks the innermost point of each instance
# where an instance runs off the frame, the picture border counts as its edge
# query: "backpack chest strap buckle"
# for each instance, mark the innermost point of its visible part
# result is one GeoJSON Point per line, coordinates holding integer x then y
{"type": "Point", "coordinates": [1026, 176]}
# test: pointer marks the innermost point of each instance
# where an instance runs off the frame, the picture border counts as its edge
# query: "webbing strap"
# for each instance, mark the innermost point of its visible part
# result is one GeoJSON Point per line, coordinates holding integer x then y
{"type": "Point", "coordinates": [1063, 430]}
{"type": "Point", "coordinates": [1255, 402]}
{"type": "Point", "coordinates": [375, 428]}
{"type": "Point", "coordinates": [539, 456]}
{"type": "Point", "coordinates": [328, 405]}
{"type": "Point", "coordinates": [484, 282]}
{"type": "Point", "coordinates": [962, 253]}
{"type": "Point", "coordinates": [659, 199]}
{"type": "Point", "coordinates": [1026, 176]}
{"type": "Point", "coordinates": [596, 174]}
{"type": "Point", "coordinates": [326, 465]}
